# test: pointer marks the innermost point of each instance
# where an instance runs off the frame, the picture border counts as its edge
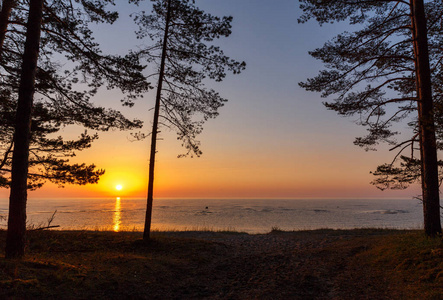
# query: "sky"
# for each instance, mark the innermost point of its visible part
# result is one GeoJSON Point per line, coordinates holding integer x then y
{"type": "Point", "coordinates": [271, 140]}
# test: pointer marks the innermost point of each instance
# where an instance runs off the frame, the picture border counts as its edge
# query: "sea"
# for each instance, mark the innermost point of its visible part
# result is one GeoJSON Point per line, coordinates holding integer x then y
{"type": "Point", "coordinates": [243, 215]}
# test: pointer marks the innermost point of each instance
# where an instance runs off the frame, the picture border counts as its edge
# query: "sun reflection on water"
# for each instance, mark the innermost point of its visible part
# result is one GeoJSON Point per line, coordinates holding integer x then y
{"type": "Point", "coordinates": [116, 221]}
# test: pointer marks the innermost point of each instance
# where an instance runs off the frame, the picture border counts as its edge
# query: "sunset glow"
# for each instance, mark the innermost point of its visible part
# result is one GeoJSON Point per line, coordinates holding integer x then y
{"type": "Point", "coordinates": [117, 215]}
{"type": "Point", "coordinates": [278, 142]}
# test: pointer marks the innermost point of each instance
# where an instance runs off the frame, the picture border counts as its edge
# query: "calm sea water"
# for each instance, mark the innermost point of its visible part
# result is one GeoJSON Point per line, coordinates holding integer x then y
{"type": "Point", "coordinates": [252, 216]}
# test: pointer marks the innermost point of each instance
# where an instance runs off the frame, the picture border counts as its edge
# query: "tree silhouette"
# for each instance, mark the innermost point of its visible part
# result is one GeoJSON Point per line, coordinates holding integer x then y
{"type": "Point", "coordinates": [382, 73]}
{"type": "Point", "coordinates": [63, 93]}
{"type": "Point", "coordinates": [182, 34]}
{"type": "Point", "coordinates": [62, 97]}
{"type": "Point", "coordinates": [15, 239]}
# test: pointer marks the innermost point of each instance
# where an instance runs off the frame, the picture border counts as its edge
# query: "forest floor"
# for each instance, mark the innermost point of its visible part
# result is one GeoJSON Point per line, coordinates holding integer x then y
{"type": "Point", "coordinates": [320, 264]}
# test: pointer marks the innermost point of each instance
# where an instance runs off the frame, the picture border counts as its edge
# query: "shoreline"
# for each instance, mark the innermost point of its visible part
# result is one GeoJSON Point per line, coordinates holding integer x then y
{"type": "Point", "coordinates": [251, 216]}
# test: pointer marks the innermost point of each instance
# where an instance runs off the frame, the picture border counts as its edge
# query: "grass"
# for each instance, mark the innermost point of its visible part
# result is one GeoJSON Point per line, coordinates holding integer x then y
{"type": "Point", "coordinates": [340, 264]}
{"type": "Point", "coordinates": [71, 265]}
{"type": "Point", "coordinates": [412, 261]}
{"type": "Point", "coordinates": [169, 229]}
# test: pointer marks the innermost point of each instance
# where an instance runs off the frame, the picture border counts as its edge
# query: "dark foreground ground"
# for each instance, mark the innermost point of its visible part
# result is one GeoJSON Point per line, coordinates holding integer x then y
{"type": "Point", "coordinates": [323, 264]}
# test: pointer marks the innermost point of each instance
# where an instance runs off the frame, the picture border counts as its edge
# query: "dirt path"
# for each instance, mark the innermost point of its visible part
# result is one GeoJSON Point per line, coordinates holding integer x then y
{"type": "Point", "coordinates": [281, 266]}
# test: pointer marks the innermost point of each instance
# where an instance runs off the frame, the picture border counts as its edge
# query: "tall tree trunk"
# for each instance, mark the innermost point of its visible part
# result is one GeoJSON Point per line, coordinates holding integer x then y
{"type": "Point", "coordinates": [16, 235]}
{"type": "Point", "coordinates": [7, 6]}
{"type": "Point", "coordinates": [428, 148]}
{"type": "Point", "coordinates": [150, 200]}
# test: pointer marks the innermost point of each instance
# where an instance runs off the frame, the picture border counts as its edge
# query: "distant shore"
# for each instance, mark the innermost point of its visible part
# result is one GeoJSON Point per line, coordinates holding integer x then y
{"type": "Point", "coordinates": [318, 264]}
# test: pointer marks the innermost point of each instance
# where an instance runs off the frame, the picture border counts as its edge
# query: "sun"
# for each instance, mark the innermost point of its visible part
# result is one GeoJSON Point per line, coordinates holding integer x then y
{"type": "Point", "coordinates": [118, 187]}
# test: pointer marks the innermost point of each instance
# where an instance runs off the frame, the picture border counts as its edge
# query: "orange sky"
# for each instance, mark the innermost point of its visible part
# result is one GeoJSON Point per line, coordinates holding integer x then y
{"type": "Point", "coordinates": [231, 171]}
{"type": "Point", "coordinates": [271, 140]}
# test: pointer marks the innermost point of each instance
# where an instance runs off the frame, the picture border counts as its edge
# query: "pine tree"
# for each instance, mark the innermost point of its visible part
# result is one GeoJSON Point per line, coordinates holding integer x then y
{"type": "Point", "coordinates": [381, 72]}
{"type": "Point", "coordinates": [60, 99]}
{"type": "Point", "coordinates": [182, 35]}
{"type": "Point", "coordinates": [15, 239]}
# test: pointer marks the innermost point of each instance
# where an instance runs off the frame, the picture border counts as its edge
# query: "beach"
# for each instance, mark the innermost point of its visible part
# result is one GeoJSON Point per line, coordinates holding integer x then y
{"type": "Point", "coordinates": [320, 264]}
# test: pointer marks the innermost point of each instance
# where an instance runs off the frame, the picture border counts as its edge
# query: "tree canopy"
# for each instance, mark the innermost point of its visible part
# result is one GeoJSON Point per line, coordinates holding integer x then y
{"type": "Point", "coordinates": [191, 58]}
{"type": "Point", "coordinates": [385, 70]}
{"type": "Point", "coordinates": [371, 74]}
{"type": "Point", "coordinates": [71, 69]}
{"type": "Point", "coordinates": [183, 49]}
